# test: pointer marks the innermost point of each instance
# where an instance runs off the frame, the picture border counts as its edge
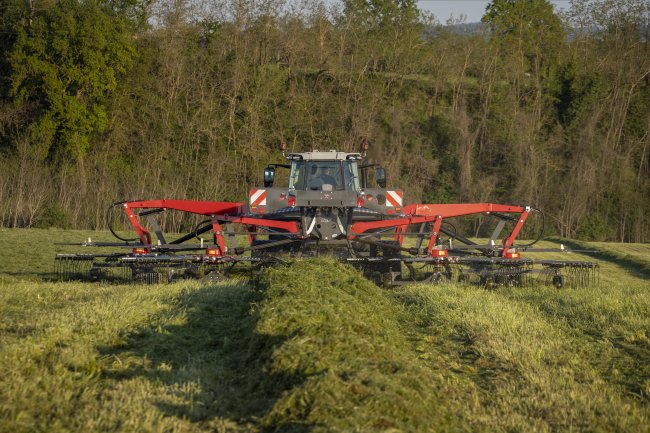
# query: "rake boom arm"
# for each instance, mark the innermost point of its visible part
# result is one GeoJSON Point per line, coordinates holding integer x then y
{"type": "Point", "coordinates": [454, 210]}
{"type": "Point", "coordinates": [208, 208]}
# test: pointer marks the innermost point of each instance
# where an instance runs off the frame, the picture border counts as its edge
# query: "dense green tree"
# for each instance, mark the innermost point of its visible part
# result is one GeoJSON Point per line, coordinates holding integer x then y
{"type": "Point", "coordinates": [605, 124]}
{"type": "Point", "coordinates": [373, 14]}
{"type": "Point", "coordinates": [528, 27]}
{"type": "Point", "coordinates": [65, 62]}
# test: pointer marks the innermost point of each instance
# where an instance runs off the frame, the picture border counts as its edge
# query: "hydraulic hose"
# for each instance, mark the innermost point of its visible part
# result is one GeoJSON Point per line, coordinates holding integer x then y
{"type": "Point", "coordinates": [447, 232]}
{"type": "Point", "coordinates": [110, 225]}
{"type": "Point", "coordinates": [197, 228]}
{"type": "Point", "coordinates": [541, 232]}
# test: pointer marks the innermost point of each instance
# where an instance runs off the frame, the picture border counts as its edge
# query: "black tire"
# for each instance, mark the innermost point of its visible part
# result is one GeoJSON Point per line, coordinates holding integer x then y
{"type": "Point", "coordinates": [558, 281]}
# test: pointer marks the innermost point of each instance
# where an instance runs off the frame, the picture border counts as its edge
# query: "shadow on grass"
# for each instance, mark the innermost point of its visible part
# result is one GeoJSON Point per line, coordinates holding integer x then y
{"type": "Point", "coordinates": [632, 266]}
{"type": "Point", "coordinates": [213, 363]}
{"type": "Point", "coordinates": [29, 276]}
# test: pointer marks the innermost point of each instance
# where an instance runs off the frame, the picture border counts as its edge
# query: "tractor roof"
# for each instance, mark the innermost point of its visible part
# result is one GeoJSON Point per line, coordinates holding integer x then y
{"type": "Point", "coordinates": [324, 156]}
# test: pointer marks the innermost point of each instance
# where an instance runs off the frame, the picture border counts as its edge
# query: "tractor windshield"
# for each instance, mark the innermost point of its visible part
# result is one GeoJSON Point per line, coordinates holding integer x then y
{"type": "Point", "coordinates": [324, 175]}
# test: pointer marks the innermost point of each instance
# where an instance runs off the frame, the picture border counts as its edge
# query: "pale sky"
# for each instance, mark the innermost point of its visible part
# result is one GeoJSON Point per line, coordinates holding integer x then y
{"type": "Point", "coordinates": [473, 9]}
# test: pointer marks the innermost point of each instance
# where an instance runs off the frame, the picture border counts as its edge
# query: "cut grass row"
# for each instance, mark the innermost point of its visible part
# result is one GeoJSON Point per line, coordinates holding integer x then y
{"type": "Point", "coordinates": [489, 363]}
{"type": "Point", "coordinates": [123, 358]}
{"type": "Point", "coordinates": [532, 372]}
{"type": "Point", "coordinates": [313, 346]}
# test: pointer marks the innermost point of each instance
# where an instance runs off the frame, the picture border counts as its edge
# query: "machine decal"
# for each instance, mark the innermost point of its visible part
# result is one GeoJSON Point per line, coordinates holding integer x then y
{"type": "Point", "coordinates": [394, 198]}
{"type": "Point", "coordinates": [258, 197]}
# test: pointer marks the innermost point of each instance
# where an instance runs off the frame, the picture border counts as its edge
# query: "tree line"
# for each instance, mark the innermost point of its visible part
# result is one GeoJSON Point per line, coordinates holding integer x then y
{"type": "Point", "coordinates": [107, 100]}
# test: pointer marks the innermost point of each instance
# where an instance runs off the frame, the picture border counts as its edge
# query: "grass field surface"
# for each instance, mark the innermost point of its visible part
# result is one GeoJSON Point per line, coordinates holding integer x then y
{"type": "Point", "coordinates": [314, 346]}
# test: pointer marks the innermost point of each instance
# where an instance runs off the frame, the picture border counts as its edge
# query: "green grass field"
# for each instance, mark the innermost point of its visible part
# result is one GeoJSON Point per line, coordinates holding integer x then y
{"type": "Point", "coordinates": [313, 346]}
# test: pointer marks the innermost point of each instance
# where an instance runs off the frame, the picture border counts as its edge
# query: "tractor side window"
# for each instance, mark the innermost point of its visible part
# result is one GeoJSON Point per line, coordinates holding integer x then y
{"type": "Point", "coordinates": [297, 176]}
{"type": "Point", "coordinates": [351, 176]}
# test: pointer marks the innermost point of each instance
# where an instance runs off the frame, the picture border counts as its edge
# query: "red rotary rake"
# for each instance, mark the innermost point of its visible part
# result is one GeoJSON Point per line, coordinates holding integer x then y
{"type": "Point", "coordinates": [328, 207]}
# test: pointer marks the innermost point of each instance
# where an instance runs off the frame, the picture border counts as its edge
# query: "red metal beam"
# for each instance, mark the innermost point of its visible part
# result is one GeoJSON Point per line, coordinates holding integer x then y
{"type": "Point", "coordinates": [453, 210]}
{"type": "Point", "coordinates": [289, 226]}
{"type": "Point", "coordinates": [143, 234]}
{"type": "Point", "coordinates": [434, 234]}
{"type": "Point", "coordinates": [507, 242]}
{"type": "Point", "coordinates": [362, 227]}
{"type": "Point", "coordinates": [197, 207]}
{"type": "Point", "coordinates": [399, 234]}
{"type": "Point", "coordinates": [218, 236]}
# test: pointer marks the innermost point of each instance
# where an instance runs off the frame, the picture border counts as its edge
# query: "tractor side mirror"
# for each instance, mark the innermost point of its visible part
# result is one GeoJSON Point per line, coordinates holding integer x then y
{"type": "Point", "coordinates": [269, 176]}
{"type": "Point", "coordinates": [380, 176]}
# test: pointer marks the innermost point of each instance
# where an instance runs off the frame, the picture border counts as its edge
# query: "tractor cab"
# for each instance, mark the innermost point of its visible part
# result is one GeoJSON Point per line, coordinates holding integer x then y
{"type": "Point", "coordinates": [324, 171]}
{"type": "Point", "coordinates": [328, 179]}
